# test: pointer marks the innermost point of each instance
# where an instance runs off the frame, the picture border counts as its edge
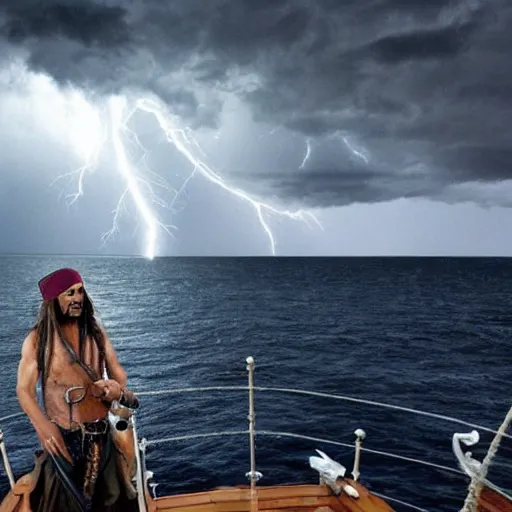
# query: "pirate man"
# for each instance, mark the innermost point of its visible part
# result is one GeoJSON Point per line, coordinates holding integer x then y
{"type": "Point", "coordinates": [71, 356]}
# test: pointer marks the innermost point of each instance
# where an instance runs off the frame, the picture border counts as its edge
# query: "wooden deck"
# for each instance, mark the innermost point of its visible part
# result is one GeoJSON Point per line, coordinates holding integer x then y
{"type": "Point", "coordinates": [292, 498]}
{"type": "Point", "coordinates": [491, 501]}
{"type": "Point", "coordinates": [287, 498]}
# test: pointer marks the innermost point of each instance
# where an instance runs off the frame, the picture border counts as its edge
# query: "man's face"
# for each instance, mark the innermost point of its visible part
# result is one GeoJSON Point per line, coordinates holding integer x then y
{"type": "Point", "coordinates": [72, 301]}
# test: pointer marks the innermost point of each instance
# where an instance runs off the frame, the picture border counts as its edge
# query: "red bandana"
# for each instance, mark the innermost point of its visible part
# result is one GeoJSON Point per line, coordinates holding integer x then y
{"type": "Point", "coordinates": [54, 284]}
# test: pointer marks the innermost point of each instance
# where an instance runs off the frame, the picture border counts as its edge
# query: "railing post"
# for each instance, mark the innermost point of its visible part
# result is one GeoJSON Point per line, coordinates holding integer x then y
{"type": "Point", "coordinates": [7, 464]}
{"type": "Point", "coordinates": [140, 475]}
{"type": "Point", "coordinates": [360, 435]}
{"type": "Point", "coordinates": [251, 417]}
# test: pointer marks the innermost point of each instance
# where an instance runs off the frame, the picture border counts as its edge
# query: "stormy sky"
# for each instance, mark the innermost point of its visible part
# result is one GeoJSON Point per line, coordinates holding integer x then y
{"type": "Point", "coordinates": [388, 120]}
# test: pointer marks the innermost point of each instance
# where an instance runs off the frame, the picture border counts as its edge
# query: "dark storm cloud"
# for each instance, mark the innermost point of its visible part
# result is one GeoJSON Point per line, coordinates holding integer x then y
{"type": "Point", "coordinates": [87, 23]}
{"type": "Point", "coordinates": [422, 44]}
{"type": "Point", "coordinates": [427, 82]}
{"type": "Point", "coordinates": [330, 187]}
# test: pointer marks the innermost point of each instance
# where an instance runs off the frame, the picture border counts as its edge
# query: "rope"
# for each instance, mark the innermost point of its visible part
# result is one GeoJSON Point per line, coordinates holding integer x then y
{"type": "Point", "coordinates": [477, 481]}
{"type": "Point", "coordinates": [387, 498]}
{"type": "Point", "coordinates": [299, 436]}
{"type": "Point", "coordinates": [323, 395]}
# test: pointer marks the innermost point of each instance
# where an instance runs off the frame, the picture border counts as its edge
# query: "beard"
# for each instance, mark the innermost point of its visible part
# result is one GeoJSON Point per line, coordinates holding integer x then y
{"type": "Point", "coordinates": [73, 312]}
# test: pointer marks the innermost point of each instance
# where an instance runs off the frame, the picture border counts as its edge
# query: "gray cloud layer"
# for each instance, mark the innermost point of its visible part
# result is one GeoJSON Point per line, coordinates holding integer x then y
{"type": "Point", "coordinates": [423, 86]}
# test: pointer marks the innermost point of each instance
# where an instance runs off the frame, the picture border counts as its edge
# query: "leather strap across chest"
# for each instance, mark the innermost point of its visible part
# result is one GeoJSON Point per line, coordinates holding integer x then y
{"type": "Point", "coordinates": [91, 373]}
{"type": "Point", "coordinates": [80, 390]}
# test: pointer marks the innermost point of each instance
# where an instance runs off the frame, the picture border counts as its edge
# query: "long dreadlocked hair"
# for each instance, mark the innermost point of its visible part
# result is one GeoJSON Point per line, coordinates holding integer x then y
{"type": "Point", "coordinates": [48, 324]}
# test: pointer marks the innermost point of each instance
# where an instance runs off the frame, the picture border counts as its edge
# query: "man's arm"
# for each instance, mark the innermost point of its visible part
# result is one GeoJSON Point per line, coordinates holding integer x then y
{"type": "Point", "coordinates": [115, 387]}
{"type": "Point", "coordinates": [28, 374]}
{"type": "Point", "coordinates": [115, 370]}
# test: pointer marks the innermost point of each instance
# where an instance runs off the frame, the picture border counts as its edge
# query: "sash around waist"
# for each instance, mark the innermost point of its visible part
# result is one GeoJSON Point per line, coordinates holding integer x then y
{"type": "Point", "coordinates": [92, 428]}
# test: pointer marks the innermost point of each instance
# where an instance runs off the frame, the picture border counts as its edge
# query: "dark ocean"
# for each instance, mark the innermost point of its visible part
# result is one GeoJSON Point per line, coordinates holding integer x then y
{"type": "Point", "coordinates": [427, 333]}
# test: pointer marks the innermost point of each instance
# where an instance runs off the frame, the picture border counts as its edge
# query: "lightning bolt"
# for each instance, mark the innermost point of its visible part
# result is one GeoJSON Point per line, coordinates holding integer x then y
{"type": "Point", "coordinates": [117, 106]}
{"type": "Point", "coordinates": [120, 112]}
{"type": "Point", "coordinates": [307, 155]}
{"type": "Point", "coordinates": [354, 151]}
{"type": "Point", "coordinates": [183, 143]}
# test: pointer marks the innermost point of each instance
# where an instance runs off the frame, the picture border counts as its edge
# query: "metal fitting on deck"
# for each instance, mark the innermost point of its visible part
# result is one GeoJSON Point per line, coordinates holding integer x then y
{"type": "Point", "coordinates": [360, 435]}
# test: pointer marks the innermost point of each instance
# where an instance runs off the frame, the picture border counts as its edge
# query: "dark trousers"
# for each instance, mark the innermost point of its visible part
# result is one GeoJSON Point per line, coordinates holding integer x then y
{"type": "Point", "coordinates": [61, 485]}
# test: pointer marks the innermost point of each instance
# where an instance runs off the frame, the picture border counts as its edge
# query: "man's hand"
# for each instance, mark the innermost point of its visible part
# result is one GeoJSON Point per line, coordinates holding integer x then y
{"type": "Point", "coordinates": [52, 441]}
{"type": "Point", "coordinates": [108, 390]}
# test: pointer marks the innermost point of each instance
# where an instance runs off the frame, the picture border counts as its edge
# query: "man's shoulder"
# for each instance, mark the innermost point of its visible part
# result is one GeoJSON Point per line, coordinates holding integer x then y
{"type": "Point", "coordinates": [103, 331]}
{"type": "Point", "coordinates": [31, 338]}
{"type": "Point", "coordinates": [29, 345]}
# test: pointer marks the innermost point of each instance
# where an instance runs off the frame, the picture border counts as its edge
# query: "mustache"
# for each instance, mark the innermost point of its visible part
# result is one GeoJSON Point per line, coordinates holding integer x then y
{"type": "Point", "coordinates": [76, 304]}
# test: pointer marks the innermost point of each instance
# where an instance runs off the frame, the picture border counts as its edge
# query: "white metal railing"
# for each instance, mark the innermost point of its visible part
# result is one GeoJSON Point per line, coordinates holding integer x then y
{"type": "Point", "coordinates": [7, 465]}
{"type": "Point", "coordinates": [385, 405]}
{"type": "Point", "coordinates": [141, 473]}
{"type": "Point", "coordinates": [318, 394]}
{"type": "Point", "coordinates": [163, 440]}
{"type": "Point", "coordinates": [253, 476]}
{"type": "Point", "coordinates": [11, 416]}
{"type": "Point", "coordinates": [143, 476]}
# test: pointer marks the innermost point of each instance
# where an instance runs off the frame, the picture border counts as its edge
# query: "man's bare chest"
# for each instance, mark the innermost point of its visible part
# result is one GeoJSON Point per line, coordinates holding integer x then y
{"type": "Point", "coordinates": [68, 389]}
{"type": "Point", "coordinates": [65, 371]}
